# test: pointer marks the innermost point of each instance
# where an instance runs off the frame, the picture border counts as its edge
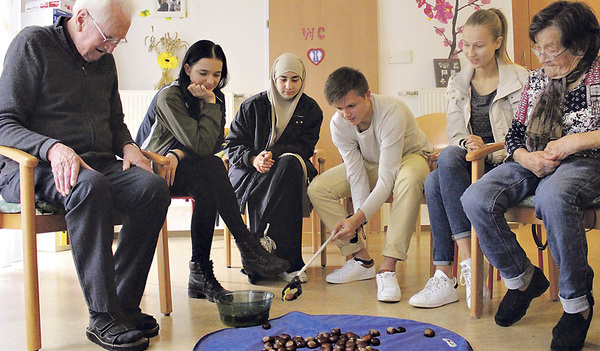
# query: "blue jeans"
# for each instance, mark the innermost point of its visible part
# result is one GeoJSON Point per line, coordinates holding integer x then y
{"type": "Point", "coordinates": [559, 199]}
{"type": "Point", "coordinates": [443, 189]}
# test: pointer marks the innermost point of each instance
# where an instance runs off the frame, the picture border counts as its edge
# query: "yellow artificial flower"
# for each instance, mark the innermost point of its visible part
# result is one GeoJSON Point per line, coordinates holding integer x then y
{"type": "Point", "coordinates": [167, 60]}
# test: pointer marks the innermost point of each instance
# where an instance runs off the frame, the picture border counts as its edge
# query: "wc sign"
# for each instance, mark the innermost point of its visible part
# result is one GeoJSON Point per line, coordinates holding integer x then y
{"type": "Point", "coordinates": [315, 55]}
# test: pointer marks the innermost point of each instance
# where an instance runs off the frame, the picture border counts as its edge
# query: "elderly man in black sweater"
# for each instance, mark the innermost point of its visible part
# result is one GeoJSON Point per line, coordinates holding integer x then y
{"type": "Point", "coordinates": [59, 101]}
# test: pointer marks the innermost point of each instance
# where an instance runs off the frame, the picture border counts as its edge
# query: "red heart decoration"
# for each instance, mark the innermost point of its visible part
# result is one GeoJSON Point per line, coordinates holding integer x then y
{"type": "Point", "coordinates": [315, 55]}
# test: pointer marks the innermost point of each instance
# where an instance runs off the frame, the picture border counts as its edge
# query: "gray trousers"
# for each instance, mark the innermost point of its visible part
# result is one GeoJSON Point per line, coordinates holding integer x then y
{"type": "Point", "coordinates": [110, 282]}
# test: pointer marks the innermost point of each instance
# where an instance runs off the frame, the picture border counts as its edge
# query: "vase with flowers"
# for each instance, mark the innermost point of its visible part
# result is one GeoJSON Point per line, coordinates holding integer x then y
{"type": "Point", "coordinates": [166, 48]}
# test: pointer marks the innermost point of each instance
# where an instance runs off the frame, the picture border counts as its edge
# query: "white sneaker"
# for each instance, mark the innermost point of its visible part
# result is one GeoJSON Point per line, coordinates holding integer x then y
{"type": "Point", "coordinates": [439, 291]}
{"type": "Point", "coordinates": [352, 271]}
{"type": "Point", "coordinates": [388, 289]}
{"type": "Point", "coordinates": [289, 276]}
{"type": "Point", "coordinates": [465, 280]}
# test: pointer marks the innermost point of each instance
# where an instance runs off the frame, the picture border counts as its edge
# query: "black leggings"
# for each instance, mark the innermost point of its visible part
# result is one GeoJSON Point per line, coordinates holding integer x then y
{"type": "Point", "coordinates": [205, 179]}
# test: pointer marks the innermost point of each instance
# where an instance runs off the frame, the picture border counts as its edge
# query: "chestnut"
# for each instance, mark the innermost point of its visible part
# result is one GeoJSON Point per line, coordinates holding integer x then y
{"type": "Point", "coordinates": [391, 330]}
{"type": "Point", "coordinates": [429, 333]}
{"type": "Point", "coordinates": [266, 325]}
{"type": "Point", "coordinates": [400, 329]}
{"type": "Point", "coordinates": [312, 344]}
{"type": "Point", "coordinates": [374, 332]}
{"type": "Point", "coordinates": [375, 341]}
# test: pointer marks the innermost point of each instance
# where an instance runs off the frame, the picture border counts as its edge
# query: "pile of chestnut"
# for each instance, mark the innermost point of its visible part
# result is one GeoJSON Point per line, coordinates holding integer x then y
{"type": "Point", "coordinates": [334, 340]}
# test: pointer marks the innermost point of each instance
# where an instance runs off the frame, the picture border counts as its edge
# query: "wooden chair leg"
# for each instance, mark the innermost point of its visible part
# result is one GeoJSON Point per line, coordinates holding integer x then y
{"type": "Point", "coordinates": [32, 292]}
{"type": "Point", "coordinates": [491, 280]}
{"type": "Point", "coordinates": [227, 238]}
{"type": "Point", "coordinates": [553, 273]}
{"type": "Point", "coordinates": [456, 261]}
{"type": "Point", "coordinates": [476, 277]}
{"type": "Point", "coordinates": [323, 231]}
{"type": "Point", "coordinates": [315, 237]}
{"type": "Point", "coordinates": [431, 265]}
{"type": "Point", "coordinates": [33, 328]}
{"type": "Point", "coordinates": [164, 271]}
{"type": "Point", "coordinates": [418, 227]}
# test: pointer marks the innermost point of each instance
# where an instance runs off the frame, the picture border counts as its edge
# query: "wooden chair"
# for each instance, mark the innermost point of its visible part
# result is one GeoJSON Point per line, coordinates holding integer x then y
{"type": "Point", "coordinates": [524, 213]}
{"type": "Point", "coordinates": [31, 224]}
{"type": "Point", "coordinates": [317, 227]}
{"type": "Point", "coordinates": [434, 127]}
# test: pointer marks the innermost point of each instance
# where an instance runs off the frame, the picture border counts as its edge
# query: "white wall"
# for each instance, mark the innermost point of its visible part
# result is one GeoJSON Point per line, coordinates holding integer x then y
{"type": "Point", "coordinates": [240, 27]}
{"type": "Point", "coordinates": [404, 26]}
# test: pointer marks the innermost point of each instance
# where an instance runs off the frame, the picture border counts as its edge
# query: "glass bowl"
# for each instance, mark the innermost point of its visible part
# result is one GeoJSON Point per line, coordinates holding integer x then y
{"type": "Point", "coordinates": [244, 308]}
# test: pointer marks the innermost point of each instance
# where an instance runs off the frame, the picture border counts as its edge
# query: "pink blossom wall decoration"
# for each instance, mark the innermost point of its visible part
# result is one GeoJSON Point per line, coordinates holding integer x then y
{"type": "Point", "coordinates": [446, 13]}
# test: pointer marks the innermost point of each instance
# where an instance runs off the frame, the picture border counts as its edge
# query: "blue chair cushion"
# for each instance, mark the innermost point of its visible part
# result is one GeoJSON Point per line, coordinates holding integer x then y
{"type": "Point", "coordinates": [41, 207]}
{"type": "Point", "coordinates": [530, 202]}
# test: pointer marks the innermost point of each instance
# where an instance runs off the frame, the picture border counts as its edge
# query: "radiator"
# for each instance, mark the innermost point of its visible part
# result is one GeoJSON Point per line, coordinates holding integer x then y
{"type": "Point", "coordinates": [135, 105]}
{"type": "Point", "coordinates": [432, 100]}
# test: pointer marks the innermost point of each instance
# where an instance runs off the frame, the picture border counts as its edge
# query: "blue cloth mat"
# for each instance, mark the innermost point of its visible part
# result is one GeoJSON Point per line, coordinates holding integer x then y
{"type": "Point", "coordinates": [298, 323]}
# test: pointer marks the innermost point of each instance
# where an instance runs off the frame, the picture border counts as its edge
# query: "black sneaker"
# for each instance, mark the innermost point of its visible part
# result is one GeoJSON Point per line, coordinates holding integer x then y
{"type": "Point", "coordinates": [515, 303]}
{"type": "Point", "coordinates": [570, 332]}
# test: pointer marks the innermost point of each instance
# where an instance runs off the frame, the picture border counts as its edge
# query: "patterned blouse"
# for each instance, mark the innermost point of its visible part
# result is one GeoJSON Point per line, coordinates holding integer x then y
{"type": "Point", "coordinates": [578, 116]}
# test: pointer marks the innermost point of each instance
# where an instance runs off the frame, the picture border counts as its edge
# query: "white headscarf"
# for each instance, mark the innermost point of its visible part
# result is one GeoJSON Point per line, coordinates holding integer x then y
{"type": "Point", "coordinates": [282, 109]}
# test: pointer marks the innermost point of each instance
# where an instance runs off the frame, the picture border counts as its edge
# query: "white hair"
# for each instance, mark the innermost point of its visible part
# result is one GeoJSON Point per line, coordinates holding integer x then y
{"type": "Point", "coordinates": [100, 9]}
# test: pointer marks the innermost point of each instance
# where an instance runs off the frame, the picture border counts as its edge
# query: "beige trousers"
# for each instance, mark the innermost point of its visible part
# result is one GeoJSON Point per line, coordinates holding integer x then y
{"type": "Point", "coordinates": [327, 189]}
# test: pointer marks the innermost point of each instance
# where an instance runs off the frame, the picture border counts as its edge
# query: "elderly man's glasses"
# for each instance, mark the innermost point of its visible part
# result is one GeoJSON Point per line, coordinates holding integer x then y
{"type": "Point", "coordinates": [108, 40]}
{"type": "Point", "coordinates": [550, 56]}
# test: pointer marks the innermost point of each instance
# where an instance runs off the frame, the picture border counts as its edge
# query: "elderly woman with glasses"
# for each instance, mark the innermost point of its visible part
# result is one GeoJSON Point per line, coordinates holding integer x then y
{"type": "Point", "coordinates": [554, 153]}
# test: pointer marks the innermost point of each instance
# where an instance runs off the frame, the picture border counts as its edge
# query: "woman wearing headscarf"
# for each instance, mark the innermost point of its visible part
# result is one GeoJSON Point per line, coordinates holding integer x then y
{"type": "Point", "coordinates": [270, 143]}
{"type": "Point", "coordinates": [554, 142]}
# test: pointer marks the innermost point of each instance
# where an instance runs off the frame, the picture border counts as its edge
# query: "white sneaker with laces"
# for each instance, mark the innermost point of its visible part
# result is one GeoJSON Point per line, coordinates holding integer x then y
{"type": "Point", "coordinates": [289, 276]}
{"type": "Point", "coordinates": [388, 289]}
{"type": "Point", "coordinates": [352, 271]}
{"type": "Point", "coordinates": [465, 280]}
{"type": "Point", "coordinates": [440, 290]}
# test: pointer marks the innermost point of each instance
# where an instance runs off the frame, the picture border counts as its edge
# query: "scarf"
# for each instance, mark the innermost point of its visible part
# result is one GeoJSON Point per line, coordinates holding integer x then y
{"type": "Point", "coordinates": [545, 123]}
{"type": "Point", "coordinates": [282, 109]}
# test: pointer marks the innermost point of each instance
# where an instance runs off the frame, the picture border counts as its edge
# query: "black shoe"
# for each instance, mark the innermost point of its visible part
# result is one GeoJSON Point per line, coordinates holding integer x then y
{"type": "Point", "coordinates": [144, 322]}
{"type": "Point", "coordinates": [515, 303]}
{"type": "Point", "coordinates": [202, 283]}
{"type": "Point", "coordinates": [259, 262]}
{"type": "Point", "coordinates": [252, 278]}
{"type": "Point", "coordinates": [570, 332]}
{"type": "Point", "coordinates": [115, 334]}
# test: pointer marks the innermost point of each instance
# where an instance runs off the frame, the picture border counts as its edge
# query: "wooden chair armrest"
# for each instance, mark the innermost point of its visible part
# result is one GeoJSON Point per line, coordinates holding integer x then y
{"type": "Point", "coordinates": [156, 158]}
{"type": "Point", "coordinates": [21, 157]}
{"type": "Point", "coordinates": [484, 151]}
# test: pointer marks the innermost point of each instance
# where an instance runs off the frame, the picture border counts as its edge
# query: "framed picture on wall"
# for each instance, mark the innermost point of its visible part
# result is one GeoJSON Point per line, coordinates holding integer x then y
{"type": "Point", "coordinates": [169, 8]}
{"type": "Point", "coordinates": [444, 69]}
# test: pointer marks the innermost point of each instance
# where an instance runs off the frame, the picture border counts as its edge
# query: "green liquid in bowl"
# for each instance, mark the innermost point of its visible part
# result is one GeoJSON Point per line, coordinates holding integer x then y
{"type": "Point", "coordinates": [244, 308]}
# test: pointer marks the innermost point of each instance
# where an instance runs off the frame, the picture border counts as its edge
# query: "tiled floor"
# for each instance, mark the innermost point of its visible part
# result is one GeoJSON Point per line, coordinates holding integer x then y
{"type": "Point", "coordinates": [64, 315]}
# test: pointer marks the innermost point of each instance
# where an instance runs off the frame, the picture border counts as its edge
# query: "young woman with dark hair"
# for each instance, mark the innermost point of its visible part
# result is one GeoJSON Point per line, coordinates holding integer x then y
{"type": "Point", "coordinates": [185, 122]}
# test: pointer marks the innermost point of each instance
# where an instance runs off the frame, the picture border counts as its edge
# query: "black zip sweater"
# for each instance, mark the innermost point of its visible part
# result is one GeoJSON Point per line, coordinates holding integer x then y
{"type": "Point", "coordinates": [50, 94]}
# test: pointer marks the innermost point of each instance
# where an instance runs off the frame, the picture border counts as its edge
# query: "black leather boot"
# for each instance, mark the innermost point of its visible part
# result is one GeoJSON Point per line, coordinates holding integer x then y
{"type": "Point", "coordinates": [259, 262]}
{"type": "Point", "coordinates": [202, 283]}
